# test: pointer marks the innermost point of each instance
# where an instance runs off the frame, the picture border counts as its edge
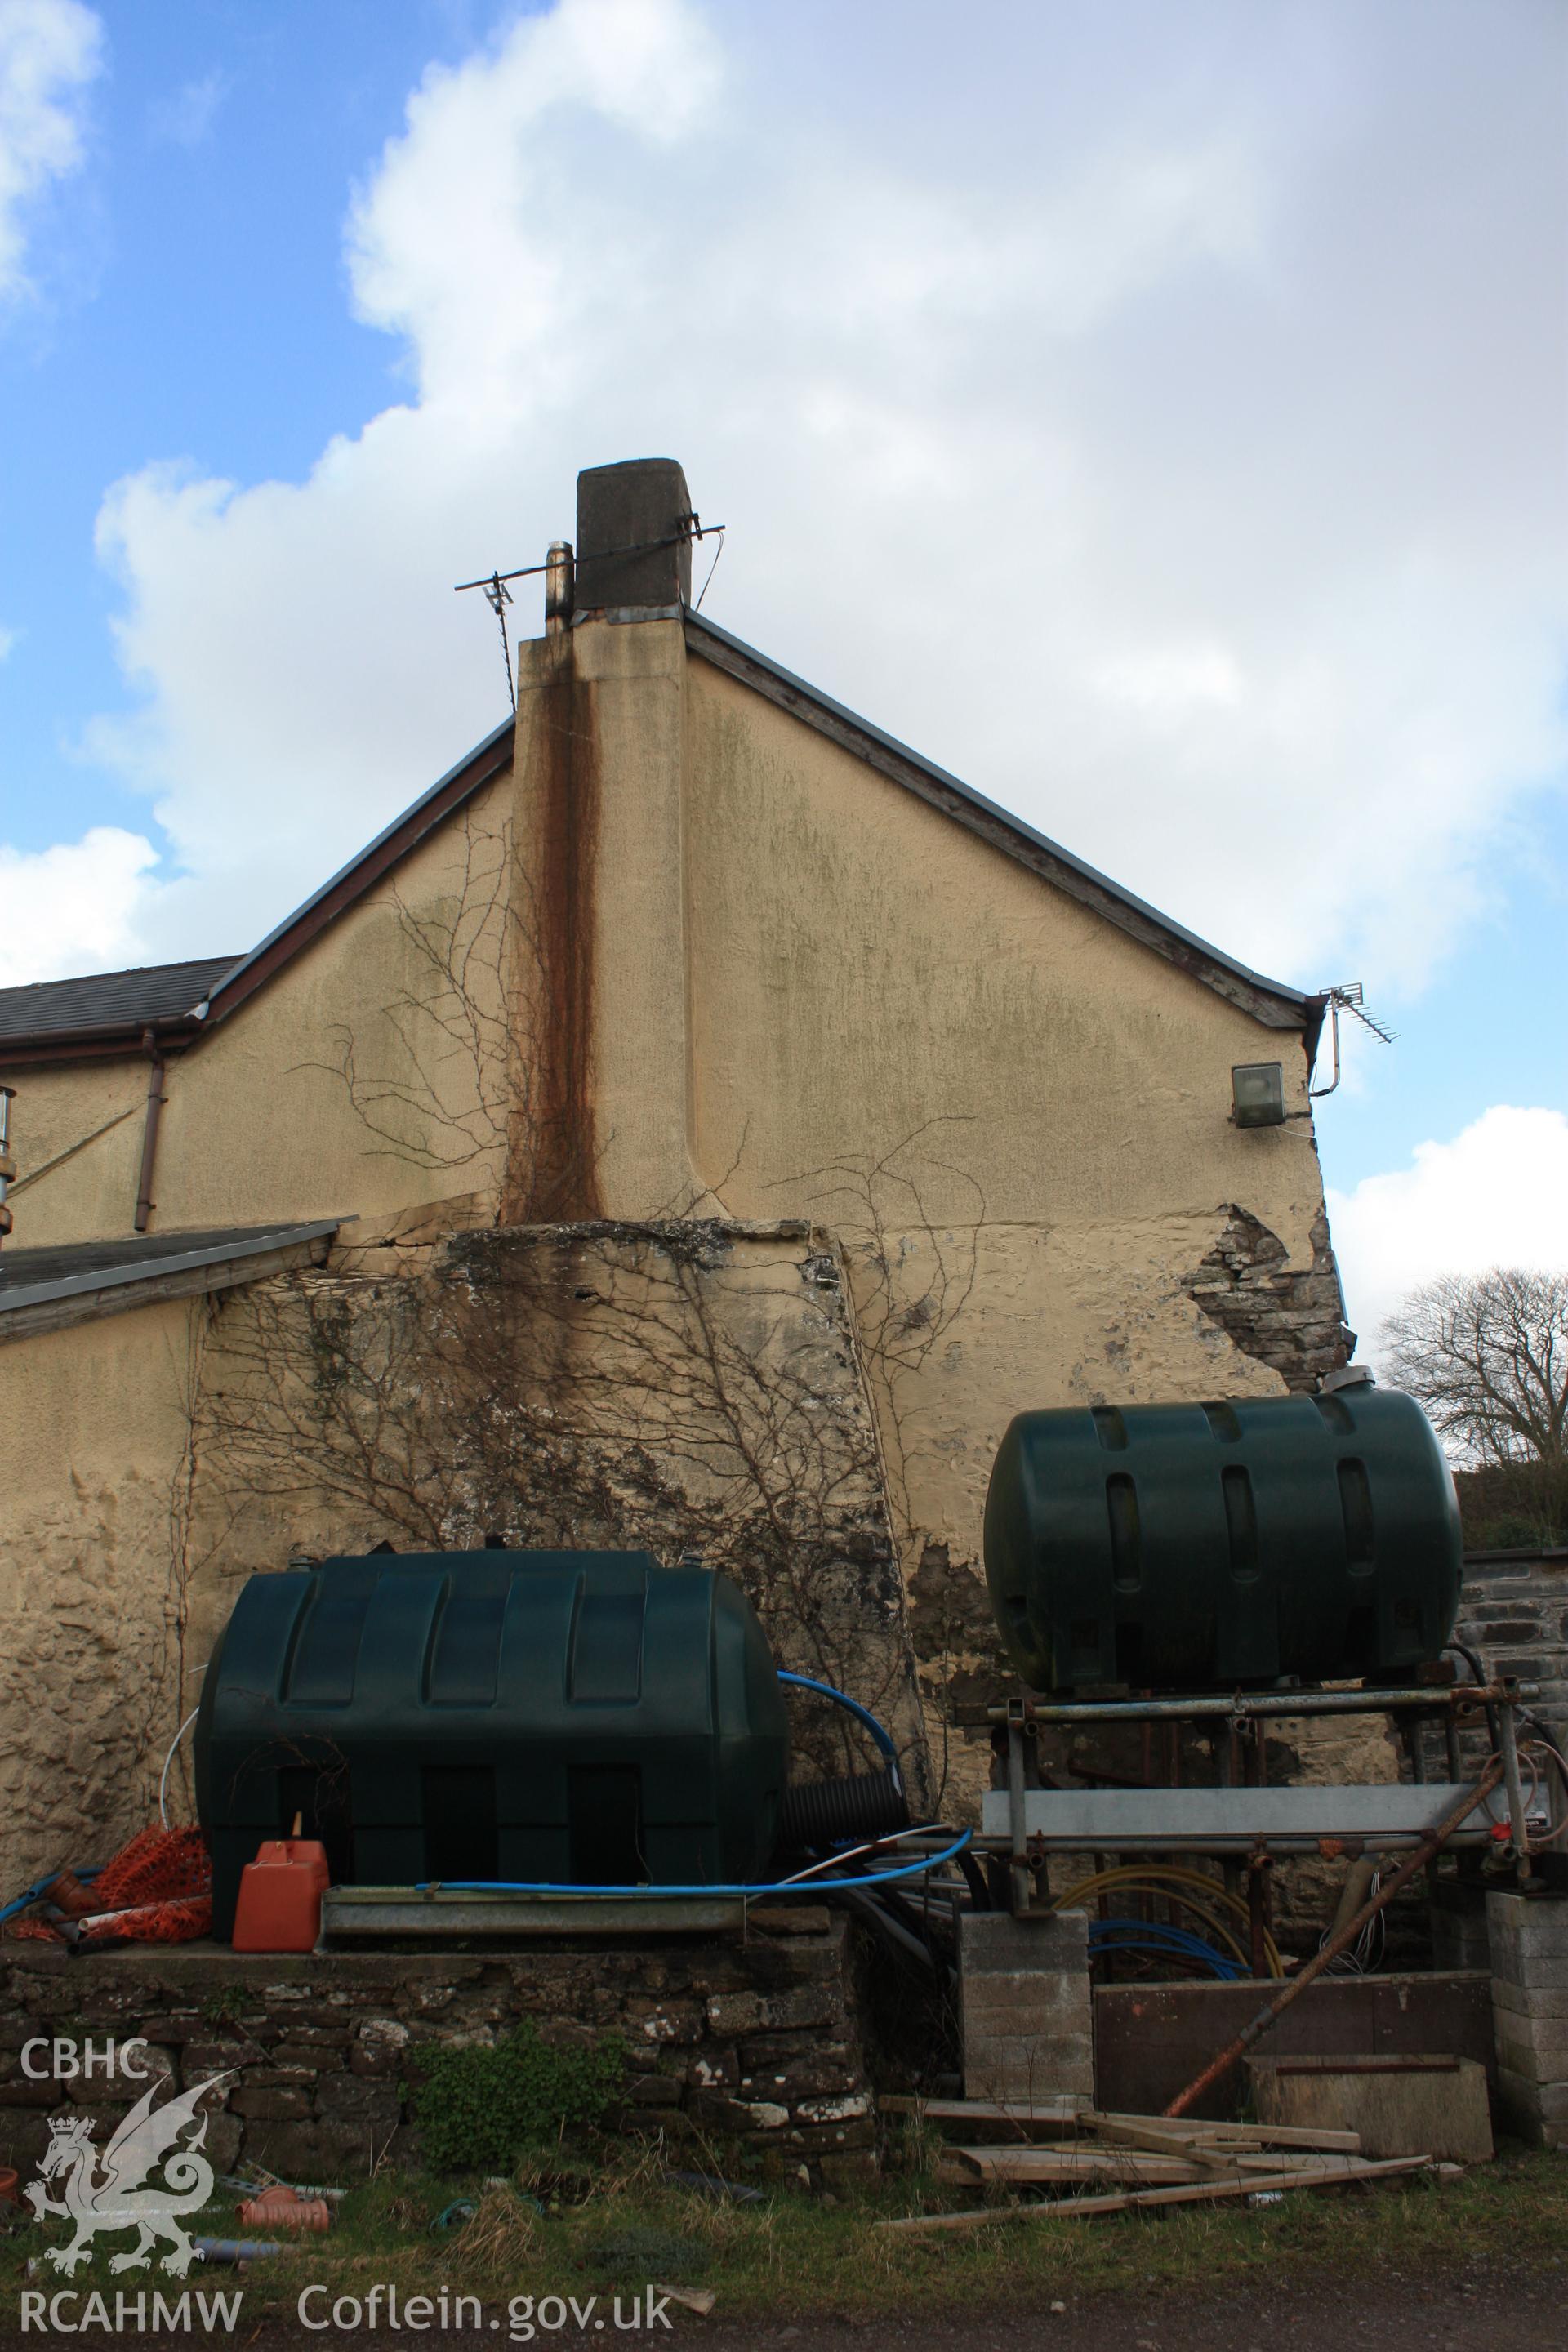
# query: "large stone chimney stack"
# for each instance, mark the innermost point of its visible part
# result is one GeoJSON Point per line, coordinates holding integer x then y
{"type": "Point", "coordinates": [602, 965]}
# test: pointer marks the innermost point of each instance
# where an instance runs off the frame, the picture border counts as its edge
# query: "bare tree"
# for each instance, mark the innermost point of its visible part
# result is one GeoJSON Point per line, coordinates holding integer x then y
{"type": "Point", "coordinates": [1487, 1356]}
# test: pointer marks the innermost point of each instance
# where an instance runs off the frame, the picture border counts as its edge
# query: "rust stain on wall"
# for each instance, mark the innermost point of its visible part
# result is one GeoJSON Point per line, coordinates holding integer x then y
{"type": "Point", "coordinates": [554, 1158]}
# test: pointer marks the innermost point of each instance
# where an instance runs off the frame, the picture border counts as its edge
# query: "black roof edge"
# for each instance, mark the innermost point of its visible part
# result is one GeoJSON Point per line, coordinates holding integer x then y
{"type": "Point", "coordinates": [1252, 991]}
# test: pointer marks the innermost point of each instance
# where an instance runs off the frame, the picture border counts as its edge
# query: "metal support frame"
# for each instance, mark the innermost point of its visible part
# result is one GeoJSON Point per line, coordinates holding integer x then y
{"type": "Point", "coordinates": [1434, 1699]}
{"type": "Point", "coordinates": [1519, 1836]}
{"type": "Point", "coordinates": [1242, 1816]}
{"type": "Point", "coordinates": [1020, 1886]}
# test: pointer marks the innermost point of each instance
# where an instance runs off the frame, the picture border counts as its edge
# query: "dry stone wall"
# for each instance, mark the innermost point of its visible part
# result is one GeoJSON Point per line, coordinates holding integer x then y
{"type": "Point", "coordinates": [753, 2045]}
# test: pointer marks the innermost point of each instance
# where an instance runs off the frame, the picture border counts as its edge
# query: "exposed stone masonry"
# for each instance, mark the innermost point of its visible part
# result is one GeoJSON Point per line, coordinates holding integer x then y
{"type": "Point", "coordinates": [1294, 1322]}
{"type": "Point", "coordinates": [1514, 1612]}
{"type": "Point", "coordinates": [755, 2042]}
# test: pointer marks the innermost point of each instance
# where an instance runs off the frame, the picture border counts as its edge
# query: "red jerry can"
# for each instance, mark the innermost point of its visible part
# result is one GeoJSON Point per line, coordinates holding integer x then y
{"type": "Point", "coordinates": [279, 1906]}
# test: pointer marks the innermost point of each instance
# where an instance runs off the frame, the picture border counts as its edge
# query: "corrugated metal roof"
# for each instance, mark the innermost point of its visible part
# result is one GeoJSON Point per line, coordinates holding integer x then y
{"type": "Point", "coordinates": [153, 991]}
{"type": "Point", "coordinates": [29, 1277]}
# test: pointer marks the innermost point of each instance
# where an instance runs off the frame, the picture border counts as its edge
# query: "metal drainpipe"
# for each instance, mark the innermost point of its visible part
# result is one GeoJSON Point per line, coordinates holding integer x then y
{"type": "Point", "coordinates": [145, 1204]}
{"type": "Point", "coordinates": [7, 1165]}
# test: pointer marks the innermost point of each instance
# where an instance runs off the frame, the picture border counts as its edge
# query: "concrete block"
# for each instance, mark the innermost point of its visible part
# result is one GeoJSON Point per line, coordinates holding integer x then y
{"type": "Point", "coordinates": [1024, 2070]}
{"type": "Point", "coordinates": [1531, 2046]}
{"type": "Point", "coordinates": [1540, 1921]}
{"type": "Point", "coordinates": [1529, 2112]}
{"type": "Point", "coordinates": [1038, 2004]}
{"type": "Point", "coordinates": [1526, 1968]}
{"type": "Point", "coordinates": [1026, 2007]}
{"type": "Point", "coordinates": [994, 1943]}
{"type": "Point", "coordinates": [1531, 2001]}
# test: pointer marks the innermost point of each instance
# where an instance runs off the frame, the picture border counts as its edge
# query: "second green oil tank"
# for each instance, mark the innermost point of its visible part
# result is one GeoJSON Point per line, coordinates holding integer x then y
{"type": "Point", "coordinates": [1194, 1546]}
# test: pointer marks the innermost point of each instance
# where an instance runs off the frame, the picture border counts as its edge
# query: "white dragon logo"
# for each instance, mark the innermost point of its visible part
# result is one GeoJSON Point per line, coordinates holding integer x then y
{"type": "Point", "coordinates": [103, 2189]}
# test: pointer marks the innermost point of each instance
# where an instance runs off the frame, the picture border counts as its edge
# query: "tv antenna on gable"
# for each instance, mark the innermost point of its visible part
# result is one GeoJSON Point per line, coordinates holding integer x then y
{"type": "Point", "coordinates": [498, 596]}
{"type": "Point", "coordinates": [1347, 996]}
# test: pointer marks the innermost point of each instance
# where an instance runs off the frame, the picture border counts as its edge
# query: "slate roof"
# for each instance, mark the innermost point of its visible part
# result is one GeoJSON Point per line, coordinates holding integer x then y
{"type": "Point", "coordinates": [108, 1001]}
{"type": "Point", "coordinates": [87, 1270]}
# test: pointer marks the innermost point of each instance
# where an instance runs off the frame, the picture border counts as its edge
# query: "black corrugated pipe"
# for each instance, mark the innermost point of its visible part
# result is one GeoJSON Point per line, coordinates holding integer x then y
{"type": "Point", "coordinates": [827, 1812]}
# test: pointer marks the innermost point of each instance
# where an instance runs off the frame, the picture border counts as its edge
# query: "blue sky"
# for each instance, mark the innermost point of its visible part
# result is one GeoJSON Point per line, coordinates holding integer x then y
{"type": "Point", "coordinates": [1232, 339]}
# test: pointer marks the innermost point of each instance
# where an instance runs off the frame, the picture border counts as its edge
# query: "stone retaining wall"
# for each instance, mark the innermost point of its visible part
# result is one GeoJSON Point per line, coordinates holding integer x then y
{"type": "Point", "coordinates": [754, 2044]}
{"type": "Point", "coordinates": [1514, 1611]}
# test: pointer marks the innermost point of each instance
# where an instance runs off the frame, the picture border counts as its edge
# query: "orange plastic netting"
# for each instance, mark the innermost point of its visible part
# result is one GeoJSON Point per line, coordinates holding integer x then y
{"type": "Point", "coordinates": [160, 1886]}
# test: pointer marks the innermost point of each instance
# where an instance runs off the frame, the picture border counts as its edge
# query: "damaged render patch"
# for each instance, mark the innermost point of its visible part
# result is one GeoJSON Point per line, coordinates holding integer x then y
{"type": "Point", "coordinates": [1291, 1321]}
{"type": "Point", "coordinates": [950, 1618]}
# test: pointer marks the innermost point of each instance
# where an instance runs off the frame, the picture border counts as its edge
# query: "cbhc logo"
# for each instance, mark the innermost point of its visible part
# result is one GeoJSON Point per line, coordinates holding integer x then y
{"type": "Point", "coordinates": [65, 2065]}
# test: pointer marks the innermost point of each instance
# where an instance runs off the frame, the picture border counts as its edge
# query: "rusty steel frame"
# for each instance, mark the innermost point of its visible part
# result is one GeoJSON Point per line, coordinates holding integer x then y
{"type": "Point", "coordinates": [1252, 2032]}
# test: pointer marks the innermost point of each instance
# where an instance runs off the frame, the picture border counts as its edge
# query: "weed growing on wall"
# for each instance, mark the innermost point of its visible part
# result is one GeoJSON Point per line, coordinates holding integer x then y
{"type": "Point", "coordinates": [482, 2107]}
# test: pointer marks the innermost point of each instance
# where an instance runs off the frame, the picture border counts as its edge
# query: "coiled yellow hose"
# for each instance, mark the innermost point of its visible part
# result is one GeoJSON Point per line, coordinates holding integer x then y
{"type": "Point", "coordinates": [1178, 1884]}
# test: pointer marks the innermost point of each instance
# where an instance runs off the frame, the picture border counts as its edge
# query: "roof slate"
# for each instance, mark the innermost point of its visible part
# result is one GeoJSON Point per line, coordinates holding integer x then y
{"type": "Point", "coordinates": [147, 993]}
{"type": "Point", "coordinates": [29, 1277]}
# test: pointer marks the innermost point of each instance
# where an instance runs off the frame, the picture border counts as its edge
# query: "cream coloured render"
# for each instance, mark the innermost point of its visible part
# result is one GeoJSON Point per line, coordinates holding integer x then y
{"type": "Point", "coordinates": [95, 1469]}
{"type": "Point", "coordinates": [749, 977]}
{"type": "Point", "coordinates": [258, 1123]}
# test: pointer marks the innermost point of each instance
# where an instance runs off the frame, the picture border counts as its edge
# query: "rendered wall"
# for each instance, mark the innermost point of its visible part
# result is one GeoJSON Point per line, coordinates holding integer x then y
{"type": "Point", "coordinates": [368, 1075]}
{"type": "Point", "coordinates": [1016, 1117]}
{"type": "Point", "coordinates": [94, 1467]}
{"type": "Point", "coordinates": [778, 983]}
{"type": "Point", "coordinates": [694, 960]}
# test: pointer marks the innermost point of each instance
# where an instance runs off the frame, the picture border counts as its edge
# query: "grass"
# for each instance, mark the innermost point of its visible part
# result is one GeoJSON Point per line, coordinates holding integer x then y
{"type": "Point", "coordinates": [619, 2225]}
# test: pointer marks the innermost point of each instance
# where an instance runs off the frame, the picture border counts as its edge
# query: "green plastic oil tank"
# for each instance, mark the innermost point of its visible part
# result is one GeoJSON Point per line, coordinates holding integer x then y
{"type": "Point", "coordinates": [1203, 1547]}
{"type": "Point", "coordinates": [562, 1718]}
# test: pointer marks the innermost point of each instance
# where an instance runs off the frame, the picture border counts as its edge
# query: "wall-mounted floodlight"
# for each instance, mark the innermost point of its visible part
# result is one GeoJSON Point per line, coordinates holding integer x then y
{"type": "Point", "coordinates": [1257, 1094]}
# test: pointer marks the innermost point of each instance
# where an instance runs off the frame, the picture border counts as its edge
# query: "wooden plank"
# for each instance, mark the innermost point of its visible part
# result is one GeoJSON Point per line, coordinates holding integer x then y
{"type": "Point", "coordinates": [971, 2114]}
{"type": "Point", "coordinates": [1241, 2134]}
{"type": "Point", "coordinates": [1159, 2139]}
{"type": "Point", "coordinates": [1324, 2141]}
{"type": "Point", "coordinates": [1048, 2111]}
{"type": "Point", "coordinates": [1049, 2165]}
{"type": "Point", "coordinates": [1334, 2173]}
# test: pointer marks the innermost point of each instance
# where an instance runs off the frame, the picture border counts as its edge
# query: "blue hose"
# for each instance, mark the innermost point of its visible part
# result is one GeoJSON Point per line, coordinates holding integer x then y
{"type": "Point", "coordinates": [878, 1731]}
{"type": "Point", "coordinates": [35, 1893]}
{"type": "Point", "coordinates": [657, 1893]}
{"type": "Point", "coordinates": [1168, 1942]}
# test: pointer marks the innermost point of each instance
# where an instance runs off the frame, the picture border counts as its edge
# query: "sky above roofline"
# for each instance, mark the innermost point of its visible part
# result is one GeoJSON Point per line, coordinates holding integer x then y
{"type": "Point", "coordinates": [1154, 419]}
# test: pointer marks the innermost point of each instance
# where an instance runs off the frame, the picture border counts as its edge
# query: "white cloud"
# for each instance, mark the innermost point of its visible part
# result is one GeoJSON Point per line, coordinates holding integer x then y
{"type": "Point", "coordinates": [186, 117]}
{"type": "Point", "coordinates": [1154, 414]}
{"type": "Point", "coordinates": [49, 51]}
{"type": "Point", "coordinates": [77, 907]}
{"type": "Point", "coordinates": [1495, 1195]}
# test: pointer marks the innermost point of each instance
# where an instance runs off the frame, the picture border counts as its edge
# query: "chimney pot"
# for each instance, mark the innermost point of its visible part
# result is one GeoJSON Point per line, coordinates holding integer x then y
{"type": "Point", "coordinates": [634, 537]}
{"type": "Point", "coordinates": [558, 587]}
